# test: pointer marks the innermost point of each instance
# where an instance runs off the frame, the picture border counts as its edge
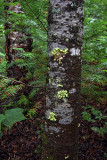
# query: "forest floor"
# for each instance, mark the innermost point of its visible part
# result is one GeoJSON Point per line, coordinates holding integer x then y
{"type": "Point", "coordinates": [23, 140]}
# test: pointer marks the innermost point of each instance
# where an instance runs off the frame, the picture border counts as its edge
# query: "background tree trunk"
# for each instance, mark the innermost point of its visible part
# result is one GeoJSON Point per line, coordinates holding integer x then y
{"type": "Point", "coordinates": [65, 36]}
{"type": "Point", "coordinates": [15, 38]}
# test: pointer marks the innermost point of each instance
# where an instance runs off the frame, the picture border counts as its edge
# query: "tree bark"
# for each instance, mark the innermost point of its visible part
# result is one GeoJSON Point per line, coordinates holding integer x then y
{"type": "Point", "coordinates": [65, 38]}
{"type": "Point", "coordinates": [14, 39]}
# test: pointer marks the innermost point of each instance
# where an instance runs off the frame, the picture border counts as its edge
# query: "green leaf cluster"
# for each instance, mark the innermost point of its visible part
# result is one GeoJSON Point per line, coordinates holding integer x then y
{"type": "Point", "coordinates": [87, 115]}
{"type": "Point", "coordinates": [100, 130]}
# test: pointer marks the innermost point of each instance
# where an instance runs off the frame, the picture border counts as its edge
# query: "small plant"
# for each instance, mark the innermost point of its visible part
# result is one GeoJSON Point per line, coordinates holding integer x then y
{"type": "Point", "coordinates": [100, 130]}
{"type": "Point", "coordinates": [33, 111]}
{"type": "Point", "coordinates": [38, 150]}
{"type": "Point", "coordinates": [105, 155]}
{"type": "Point", "coordinates": [97, 116]}
{"type": "Point", "coordinates": [87, 116]}
{"type": "Point", "coordinates": [97, 113]}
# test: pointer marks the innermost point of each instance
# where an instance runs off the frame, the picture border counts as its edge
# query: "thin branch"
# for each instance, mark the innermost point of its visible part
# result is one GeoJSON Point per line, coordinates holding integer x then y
{"type": "Point", "coordinates": [36, 16]}
{"type": "Point", "coordinates": [20, 82]}
{"type": "Point", "coordinates": [7, 102]}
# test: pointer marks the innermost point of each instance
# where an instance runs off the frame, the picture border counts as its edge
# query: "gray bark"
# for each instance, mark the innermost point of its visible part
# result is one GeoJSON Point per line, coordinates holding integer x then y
{"type": "Point", "coordinates": [65, 36]}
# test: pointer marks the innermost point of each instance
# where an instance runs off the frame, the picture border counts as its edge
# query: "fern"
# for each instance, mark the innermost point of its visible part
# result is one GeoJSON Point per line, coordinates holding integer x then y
{"type": "Point", "coordinates": [33, 93]}
{"type": "Point", "coordinates": [23, 101]}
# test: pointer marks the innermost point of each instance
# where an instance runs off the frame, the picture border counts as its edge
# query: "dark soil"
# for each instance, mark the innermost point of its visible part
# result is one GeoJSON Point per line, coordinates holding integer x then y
{"type": "Point", "coordinates": [23, 141]}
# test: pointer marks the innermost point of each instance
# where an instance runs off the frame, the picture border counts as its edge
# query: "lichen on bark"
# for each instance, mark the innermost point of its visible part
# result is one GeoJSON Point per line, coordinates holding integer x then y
{"type": "Point", "coordinates": [65, 31]}
{"type": "Point", "coordinates": [59, 54]}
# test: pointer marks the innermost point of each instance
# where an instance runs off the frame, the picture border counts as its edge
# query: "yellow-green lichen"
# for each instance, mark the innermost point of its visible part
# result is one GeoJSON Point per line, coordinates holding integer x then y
{"type": "Point", "coordinates": [62, 94]}
{"type": "Point", "coordinates": [58, 80]}
{"type": "Point", "coordinates": [66, 157]}
{"type": "Point", "coordinates": [59, 85]}
{"type": "Point", "coordinates": [67, 40]}
{"type": "Point", "coordinates": [78, 124]}
{"type": "Point", "coordinates": [48, 68]}
{"type": "Point", "coordinates": [59, 54]}
{"type": "Point", "coordinates": [52, 116]}
{"type": "Point", "coordinates": [50, 80]}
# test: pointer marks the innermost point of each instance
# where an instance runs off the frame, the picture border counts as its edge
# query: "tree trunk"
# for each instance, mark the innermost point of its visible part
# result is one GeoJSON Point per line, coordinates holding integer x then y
{"type": "Point", "coordinates": [14, 39]}
{"type": "Point", "coordinates": [65, 37]}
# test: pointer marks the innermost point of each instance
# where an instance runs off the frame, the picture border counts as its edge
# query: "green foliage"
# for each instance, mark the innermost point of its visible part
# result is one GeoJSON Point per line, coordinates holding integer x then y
{"type": "Point", "coordinates": [33, 112]}
{"type": "Point", "coordinates": [100, 130]}
{"type": "Point", "coordinates": [12, 93]}
{"type": "Point", "coordinates": [97, 114]}
{"type": "Point", "coordinates": [94, 50]}
{"type": "Point", "coordinates": [94, 59]}
{"type": "Point", "coordinates": [89, 112]}
{"type": "Point", "coordinates": [11, 116]}
{"type": "Point", "coordinates": [87, 116]}
{"type": "Point", "coordinates": [23, 101]}
{"type": "Point", "coordinates": [2, 63]}
{"type": "Point", "coordinates": [9, 91]}
{"type": "Point", "coordinates": [105, 155]}
{"type": "Point", "coordinates": [37, 151]}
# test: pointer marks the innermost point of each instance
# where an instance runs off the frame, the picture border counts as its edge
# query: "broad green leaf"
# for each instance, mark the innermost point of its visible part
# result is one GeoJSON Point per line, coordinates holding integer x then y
{"type": "Point", "coordinates": [13, 116]}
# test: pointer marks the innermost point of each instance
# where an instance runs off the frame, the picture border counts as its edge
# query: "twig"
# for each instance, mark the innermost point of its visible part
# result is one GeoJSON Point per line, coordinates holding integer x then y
{"type": "Point", "coordinates": [20, 82]}
{"type": "Point", "coordinates": [36, 16]}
